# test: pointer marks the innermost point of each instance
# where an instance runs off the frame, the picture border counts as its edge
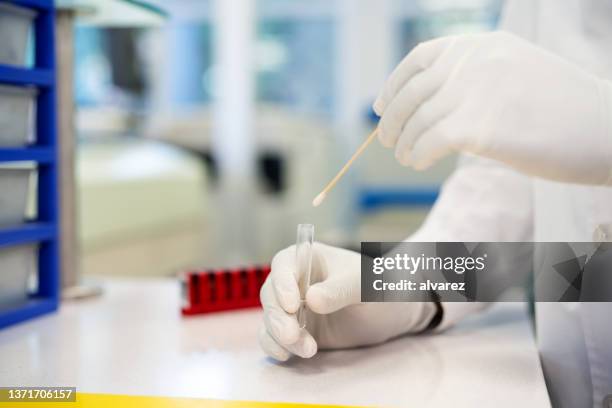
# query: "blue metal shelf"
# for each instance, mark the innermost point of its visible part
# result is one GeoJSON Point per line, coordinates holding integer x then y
{"type": "Point", "coordinates": [33, 4]}
{"type": "Point", "coordinates": [44, 231]}
{"type": "Point", "coordinates": [27, 233]}
{"type": "Point", "coordinates": [37, 154]}
{"type": "Point", "coordinates": [32, 308]}
{"type": "Point", "coordinates": [23, 76]}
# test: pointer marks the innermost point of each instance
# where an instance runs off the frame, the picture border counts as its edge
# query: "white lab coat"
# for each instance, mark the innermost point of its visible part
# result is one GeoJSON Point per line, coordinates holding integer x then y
{"type": "Point", "coordinates": [487, 201]}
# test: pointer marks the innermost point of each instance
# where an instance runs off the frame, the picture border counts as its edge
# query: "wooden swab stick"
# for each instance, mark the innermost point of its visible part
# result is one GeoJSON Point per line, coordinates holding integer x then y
{"type": "Point", "coordinates": [319, 199]}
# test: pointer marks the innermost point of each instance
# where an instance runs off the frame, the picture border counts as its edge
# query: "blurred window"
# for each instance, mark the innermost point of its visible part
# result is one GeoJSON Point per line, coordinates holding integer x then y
{"type": "Point", "coordinates": [432, 24]}
{"type": "Point", "coordinates": [190, 63]}
{"type": "Point", "coordinates": [92, 67]}
{"type": "Point", "coordinates": [108, 67]}
{"type": "Point", "coordinates": [295, 53]}
{"type": "Point", "coordinates": [295, 63]}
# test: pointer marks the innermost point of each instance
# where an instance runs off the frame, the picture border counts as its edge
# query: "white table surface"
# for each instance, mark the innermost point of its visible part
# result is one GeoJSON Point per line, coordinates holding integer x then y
{"type": "Point", "coordinates": [132, 340]}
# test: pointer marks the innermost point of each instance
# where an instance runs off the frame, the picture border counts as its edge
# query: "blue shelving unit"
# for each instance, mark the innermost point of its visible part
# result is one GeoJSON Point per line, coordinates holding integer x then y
{"type": "Point", "coordinates": [44, 230]}
{"type": "Point", "coordinates": [376, 198]}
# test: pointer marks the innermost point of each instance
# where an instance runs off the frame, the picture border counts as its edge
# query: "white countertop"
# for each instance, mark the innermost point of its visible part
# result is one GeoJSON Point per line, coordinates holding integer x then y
{"type": "Point", "coordinates": [133, 340]}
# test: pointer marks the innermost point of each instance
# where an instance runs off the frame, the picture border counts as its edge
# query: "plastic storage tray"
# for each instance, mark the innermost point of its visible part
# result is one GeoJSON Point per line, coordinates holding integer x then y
{"type": "Point", "coordinates": [15, 28]}
{"type": "Point", "coordinates": [14, 191]}
{"type": "Point", "coordinates": [17, 265]}
{"type": "Point", "coordinates": [17, 112]}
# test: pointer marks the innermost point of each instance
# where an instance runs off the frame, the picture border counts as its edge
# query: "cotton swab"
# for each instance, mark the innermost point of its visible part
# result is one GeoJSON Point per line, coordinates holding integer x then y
{"type": "Point", "coordinates": [319, 199]}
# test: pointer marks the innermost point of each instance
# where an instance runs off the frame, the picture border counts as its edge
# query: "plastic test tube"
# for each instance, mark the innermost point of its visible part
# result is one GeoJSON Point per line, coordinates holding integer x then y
{"type": "Point", "coordinates": [303, 259]}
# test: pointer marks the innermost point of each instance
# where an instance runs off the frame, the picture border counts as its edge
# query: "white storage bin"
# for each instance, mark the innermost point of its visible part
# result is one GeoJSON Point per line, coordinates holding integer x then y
{"type": "Point", "coordinates": [17, 264]}
{"type": "Point", "coordinates": [15, 29]}
{"type": "Point", "coordinates": [17, 113]}
{"type": "Point", "coordinates": [14, 191]}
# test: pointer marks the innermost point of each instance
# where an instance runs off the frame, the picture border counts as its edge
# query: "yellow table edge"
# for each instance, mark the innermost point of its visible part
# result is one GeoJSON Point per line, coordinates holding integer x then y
{"type": "Point", "coordinates": [86, 400]}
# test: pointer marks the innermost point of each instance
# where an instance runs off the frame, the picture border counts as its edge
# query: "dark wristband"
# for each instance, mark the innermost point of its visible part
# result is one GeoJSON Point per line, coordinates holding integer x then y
{"type": "Point", "coordinates": [437, 318]}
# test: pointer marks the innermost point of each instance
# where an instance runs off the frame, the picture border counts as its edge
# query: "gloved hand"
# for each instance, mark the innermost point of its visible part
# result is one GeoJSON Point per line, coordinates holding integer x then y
{"type": "Point", "coordinates": [498, 96]}
{"type": "Point", "coordinates": [336, 318]}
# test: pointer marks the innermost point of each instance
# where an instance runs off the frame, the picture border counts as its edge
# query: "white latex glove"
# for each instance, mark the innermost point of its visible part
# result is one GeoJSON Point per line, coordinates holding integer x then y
{"type": "Point", "coordinates": [336, 318]}
{"type": "Point", "coordinates": [498, 96]}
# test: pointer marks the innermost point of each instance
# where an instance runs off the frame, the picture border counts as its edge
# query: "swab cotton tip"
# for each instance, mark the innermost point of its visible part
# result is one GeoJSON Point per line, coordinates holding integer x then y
{"type": "Point", "coordinates": [319, 199]}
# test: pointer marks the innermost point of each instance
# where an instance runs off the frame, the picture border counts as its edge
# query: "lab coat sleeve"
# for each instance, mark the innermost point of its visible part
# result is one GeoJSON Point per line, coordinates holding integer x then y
{"type": "Point", "coordinates": [483, 201]}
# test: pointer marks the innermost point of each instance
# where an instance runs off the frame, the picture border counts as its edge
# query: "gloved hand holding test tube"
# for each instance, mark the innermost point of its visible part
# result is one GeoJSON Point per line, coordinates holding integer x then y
{"type": "Point", "coordinates": [303, 259]}
{"type": "Point", "coordinates": [322, 283]}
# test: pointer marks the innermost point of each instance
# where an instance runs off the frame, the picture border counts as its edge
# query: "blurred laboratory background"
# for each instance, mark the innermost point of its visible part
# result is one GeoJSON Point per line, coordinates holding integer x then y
{"type": "Point", "coordinates": [203, 135]}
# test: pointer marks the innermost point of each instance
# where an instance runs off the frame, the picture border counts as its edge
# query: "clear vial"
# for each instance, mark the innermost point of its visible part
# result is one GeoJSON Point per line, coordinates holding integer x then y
{"type": "Point", "coordinates": [303, 258]}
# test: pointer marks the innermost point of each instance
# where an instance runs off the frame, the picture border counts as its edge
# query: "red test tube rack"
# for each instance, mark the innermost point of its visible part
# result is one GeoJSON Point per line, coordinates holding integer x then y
{"type": "Point", "coordinates": [217, 290]}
